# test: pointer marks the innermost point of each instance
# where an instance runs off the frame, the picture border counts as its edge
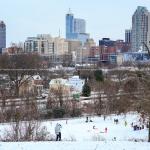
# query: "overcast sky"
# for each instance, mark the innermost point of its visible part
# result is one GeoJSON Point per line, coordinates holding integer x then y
{"type": "Point", "coordinates": [104, 18]}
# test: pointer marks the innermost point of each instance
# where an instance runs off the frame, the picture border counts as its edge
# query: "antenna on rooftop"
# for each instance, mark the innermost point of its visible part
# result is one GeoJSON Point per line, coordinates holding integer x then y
{"type": "Point", "coordinates": [59, 32]}
{"type": "Point", "coordinates": [69, 12]}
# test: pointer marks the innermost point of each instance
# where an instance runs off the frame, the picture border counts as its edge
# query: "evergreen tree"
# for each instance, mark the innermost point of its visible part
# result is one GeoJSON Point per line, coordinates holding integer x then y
{"type": "Point", "coordinates": [86, 91]}
{"type": "Point", "coordinates": [99, 75]}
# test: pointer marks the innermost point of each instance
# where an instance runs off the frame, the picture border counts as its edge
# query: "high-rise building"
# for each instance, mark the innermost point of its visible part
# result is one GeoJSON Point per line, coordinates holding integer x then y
{"type": "Point", "coordinates": [69, 25]}
{"type": "Point", "coordinates": [47, 46]}
{"type": "Point", "coordinates": [2, 36]}
{"type": "Point", "coordinates": [140, 29]}
{"type": "Point", "coordinates": [128, 36]}
{"type": "Point", "coordinates": [106, 42]}
{"type": "Point", "coordinates": [76, 28]}
{"type": "Point", "coordinates": [89, 43]}
{"type": "Point", "coordinates": [109, 46]}
{"type": "Point", "coordinates": [73, 45]}
{"type": "Point", "coordinates": [79, 25]}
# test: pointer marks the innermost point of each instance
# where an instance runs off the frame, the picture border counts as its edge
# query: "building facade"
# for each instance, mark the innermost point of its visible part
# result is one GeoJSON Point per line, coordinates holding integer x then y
{"type": "Point", "coordinates": [41, 44]}
{"type": "Point", "coordinates": [33, 85]}
{"type": "Point", "coordinates": [47, 46]}
{"type": "Point", "coordinates": [140, 29]}
{"type": "Point", "coordinates": [128, 36]}
{"type": "Point", "coordinates": [2, 36]}
{"type": "Point", "coordinates": [69, 25]}
{"type": "Point", "coordinates": [107, 46]}
{"type": "Point", "coordinates": [15, 48]}
{"type": "Point", "coordinates": [68, 87]}
{"type": "Point", "coordinates": [79, 26]}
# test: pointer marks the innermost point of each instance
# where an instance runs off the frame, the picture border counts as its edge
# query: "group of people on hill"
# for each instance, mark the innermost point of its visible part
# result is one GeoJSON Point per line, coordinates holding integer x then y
{"type": "Point", "coordinates": [140, 124]}
{"type": "Point", "coordinates": [116, 121]}
{"type": "Point", "coordinates": [135, 126]}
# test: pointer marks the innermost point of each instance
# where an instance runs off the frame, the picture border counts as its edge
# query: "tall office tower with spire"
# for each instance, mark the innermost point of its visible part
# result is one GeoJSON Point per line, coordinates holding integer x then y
{"type": "Point", "coordinates": [2, 36]}
{"type": "Point", "coordinates": [140, 29]}
{"type": "Point", "coordinates": [75, 28]}
{"type": "Point", "coordinates": [69, 24]}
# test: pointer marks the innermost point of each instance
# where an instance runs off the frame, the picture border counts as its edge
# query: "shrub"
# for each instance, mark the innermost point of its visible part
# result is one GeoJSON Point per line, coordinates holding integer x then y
{"type": "Point", "coordinates": [49, 114]}
{"type": "Point", "coordinates": [58, 112]}
{"type": "Point", "coordinates": [26, 131]}
{"type": "Point", "coordinates": [99, 75]}
{"type": "Point", "coordinates": [76, 112]}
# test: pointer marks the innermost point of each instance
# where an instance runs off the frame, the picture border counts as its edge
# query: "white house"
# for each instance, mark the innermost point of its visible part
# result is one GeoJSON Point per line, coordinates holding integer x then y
{"type": "Point", "coordinates": [72, 85]}
{"type": "Point", "coordinates": [76, 84]}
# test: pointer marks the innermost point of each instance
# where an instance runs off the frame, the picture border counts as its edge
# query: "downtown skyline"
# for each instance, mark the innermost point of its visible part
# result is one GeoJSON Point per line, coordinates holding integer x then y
{"type": "Point", "coordinates": [103, 19]}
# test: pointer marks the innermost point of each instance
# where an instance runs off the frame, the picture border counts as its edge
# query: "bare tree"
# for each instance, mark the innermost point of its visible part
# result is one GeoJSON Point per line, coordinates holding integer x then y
{"type": "Point", "coordinates": [12, 63]}
{"type": "Point", "coordinates": [99, 79]}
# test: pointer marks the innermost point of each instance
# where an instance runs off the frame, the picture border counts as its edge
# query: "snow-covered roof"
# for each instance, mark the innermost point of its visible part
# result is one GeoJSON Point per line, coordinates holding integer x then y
{"type": "Point", "coordinates": [36, 77]}
{"type": "Point", "coordinates": [75, 77]}
{"type": "Point", "coordinates": [59, 81]}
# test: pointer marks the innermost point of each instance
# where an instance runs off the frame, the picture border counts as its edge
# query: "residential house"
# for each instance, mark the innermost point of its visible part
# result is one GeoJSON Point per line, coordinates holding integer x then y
{"type": "Point", "coordinates": [33, 84]}
{"type": "Point", "coordinates": [68, 86]}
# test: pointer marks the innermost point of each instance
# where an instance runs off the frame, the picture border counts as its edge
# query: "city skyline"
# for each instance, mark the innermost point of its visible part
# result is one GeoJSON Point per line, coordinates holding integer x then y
{"type": "Point", "coordinates": [31, 17]}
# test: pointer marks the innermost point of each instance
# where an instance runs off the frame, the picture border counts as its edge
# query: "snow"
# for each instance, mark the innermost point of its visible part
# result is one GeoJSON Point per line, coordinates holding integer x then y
{"type": "Point", "coordinates": [36, 77]}
{"type": "Point", "coordinates": [75, 146]}
{"type": "Point", "coordinates": [79, 135]}
{"type": "Point", "coordinates": [82, 131]}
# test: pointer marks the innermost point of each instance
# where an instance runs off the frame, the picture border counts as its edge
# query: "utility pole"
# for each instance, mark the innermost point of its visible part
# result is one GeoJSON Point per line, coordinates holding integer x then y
{"type": "Point", "coordinates": [147, 48]}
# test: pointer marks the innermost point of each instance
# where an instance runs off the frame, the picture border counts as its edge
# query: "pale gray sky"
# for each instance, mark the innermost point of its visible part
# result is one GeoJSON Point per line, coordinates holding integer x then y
{"type": "Point", "coordinates": [104, 18]}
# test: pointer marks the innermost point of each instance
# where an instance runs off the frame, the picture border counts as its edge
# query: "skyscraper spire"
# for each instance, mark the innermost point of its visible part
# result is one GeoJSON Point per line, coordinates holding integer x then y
{"type": "Point", "coordinates": [69, 12]}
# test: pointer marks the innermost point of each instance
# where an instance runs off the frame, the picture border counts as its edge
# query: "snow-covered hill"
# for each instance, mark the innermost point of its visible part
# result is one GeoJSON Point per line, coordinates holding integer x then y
{"type": "Point", "coordinates": [79, 135]}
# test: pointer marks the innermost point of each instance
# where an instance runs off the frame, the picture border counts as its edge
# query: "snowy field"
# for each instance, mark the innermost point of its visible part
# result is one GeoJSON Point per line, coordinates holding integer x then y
{"type": "Point", "coordinates": [79, 135]}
